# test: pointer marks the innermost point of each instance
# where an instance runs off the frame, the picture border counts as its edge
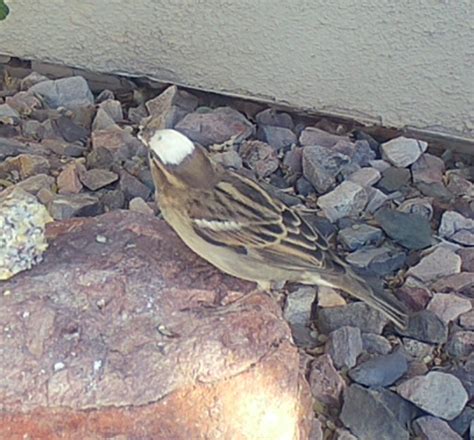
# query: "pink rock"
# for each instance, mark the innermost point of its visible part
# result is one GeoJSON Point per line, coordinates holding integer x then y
{"type": "Point", "coordinates": [68, 180]}
{"type": "Point", "coordinates": [432, 428]}
{"type": "Point", "coordinates": [130, 336]}
{"type": "Point", "coordinates": [325, 382]}
{"type": "Point", "coordinates": [316, 136]}
{"type": "Point", "coordinates": [449, 306]}
{"type": "Point", "coordinates": [428, 169]}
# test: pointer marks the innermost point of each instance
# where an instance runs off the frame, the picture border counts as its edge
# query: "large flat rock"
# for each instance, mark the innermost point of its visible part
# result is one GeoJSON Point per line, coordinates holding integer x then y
{"type": "Point", "coordinates": [124, 332]}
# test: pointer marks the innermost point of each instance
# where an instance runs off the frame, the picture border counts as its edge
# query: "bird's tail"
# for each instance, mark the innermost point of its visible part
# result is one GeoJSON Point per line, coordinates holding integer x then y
{"type": "Point", "coordinates": [372, 292]}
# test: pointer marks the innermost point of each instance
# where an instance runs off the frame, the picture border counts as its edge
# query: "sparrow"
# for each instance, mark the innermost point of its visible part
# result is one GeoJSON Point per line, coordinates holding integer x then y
{"type": "Point", "coordinates": [237, 226]}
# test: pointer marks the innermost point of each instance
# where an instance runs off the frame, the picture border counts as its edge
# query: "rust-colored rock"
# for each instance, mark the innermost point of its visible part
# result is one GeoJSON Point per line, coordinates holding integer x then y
{"type": "Point", "coordinates": [122, 332]}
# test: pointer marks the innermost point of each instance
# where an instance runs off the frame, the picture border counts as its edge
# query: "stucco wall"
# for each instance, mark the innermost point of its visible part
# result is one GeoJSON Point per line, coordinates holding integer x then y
{"type": "Point", "coordinates": [401, 62]}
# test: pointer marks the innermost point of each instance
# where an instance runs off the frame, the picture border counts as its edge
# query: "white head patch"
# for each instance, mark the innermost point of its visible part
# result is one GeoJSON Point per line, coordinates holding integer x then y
{"type": "Point", "coordinates": [171, 146]}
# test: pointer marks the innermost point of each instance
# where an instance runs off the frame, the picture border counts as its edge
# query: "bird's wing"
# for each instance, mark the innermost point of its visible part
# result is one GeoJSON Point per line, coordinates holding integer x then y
{"type": "Point", "coordinates": [239, 213]}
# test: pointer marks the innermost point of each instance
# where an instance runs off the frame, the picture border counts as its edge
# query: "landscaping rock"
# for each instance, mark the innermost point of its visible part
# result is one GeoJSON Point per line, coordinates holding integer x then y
{"type": "Point", "coordinates": [410, 230]}
{"type": "Point", "coordinates": [418, 206]}
{"type": "Point", "coordinates": [461, 344]}
{"type": "Point", "coordinates": [314, 136]}
{"type": "Point", "coordinates": [426, 327]}
{"type": "Point", "coordinates": [65, 92]}
{"type": "Point", "coordinates": [344, 345]}
{"type": "Point", "coordinates": [402, 152]}
{"type": "Point", "coordinates": [297, 313]}
{"type": "Point", "coordinates": [326, 383]}
{"type": "Point", "coordinates": [27, 165]}
{"type": "Point", "coordinates": [376, 199]}
{"type": "Point", "coordinates": [74, 205]}
{"type": "Point", "coordinates": [428, 169]}
{"type": "Point", "coordinates": [139, 205]}
{"type": "Point", "coordinates": [131, 354]}
{"type": "Point", "coordinates": [380, 371]}
{"type": "Point", "coordinates": [68, 180]}
{"type": "Point", "coordinates": [439, 263]}
{"type": "Point", "coordinates": [457, 228]}
{"type": "Point", "coordinates": [365, 176]}
{"type": "Point", "coordinates": [277, 137]}
{"type": "Point", "coordinates": [440, 394]}
{"type": "Point", "coordinates": [375, 344]}
{"type": "Point", "coordinates": [97, 178]}
{"type": "Point", "coordinates": [35, 183]}
{"type": "Point", "coordinates": [270, 116]}
{"type": "Point", "coordinates": [260, 157]}
{"type": "Point", "coordinates": [381, 261]}
{"type": "Point", "coordinates": [393, 179]}
{"type": "Point", "coordinates": [449, 306]}
{"type": "Point", "coordinates": [466, 320]}
{"type": "Point", "coordinates": [132, 187]}
{"type": "Point", "coordinates": [215, 127]}
{"type": "Point", "coordinates": [347, 199]}
{"type": "Point", "coordinates": [62, 148]}
{"type": "Point", "coordinates": [414, 293]}
{"type": "Point", "coordinates": [432, 428]}
{"type": "Point", "coordinates": [359, 235]}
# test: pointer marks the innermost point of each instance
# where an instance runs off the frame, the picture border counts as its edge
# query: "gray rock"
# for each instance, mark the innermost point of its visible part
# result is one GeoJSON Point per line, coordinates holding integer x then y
{"type": "Point", "coordinates": [393, 179]}
{"type": "Point", "coordinates": [459, 185]}
{"type": "Point", "coordinates": [69, 131]}
{"type": "Point", "coordinates": [380, 165]}
{"type": "Point", "coordinates": [8, 115]}
{"type": "Point", "coordinates": [316, 432]}
{"type": "Point", "coordinates": [297, 313]}
{"type": "Point", "coordinates": [35, 183]}
{"type": "Point", "coordinates": [277, 137]}
{"type": "Point", "coordinates": [171, 97]}
{"type": "Point", "coordinates": [416, 349]}
{"type": "Point", "coordinates": [426, 327]}
{"type": "Point", "coordinates": [465, 373]}
{"type": "Point", "coordinates": [448, 306]}
{"type": "Point", "coordinates": [343, 434]}
{"type": "Point", "coordinates": [97, 178]}
{"type": "Point", "coordinates": [428, 169]}
{"type": "Point", "coordinates": [347, 199]}
{"type": "Point", "coordinates": [409, 230]}
{"type": "Point", "coordinates": [436, 190]}
{"type": "Point", "coordinates": [419, 206]}
{"type": "Point", "coordinates": [74, 205]}
{"type": "Point", "coordinates": [270, 116]}
{"type": "Point", "coordinates": [466, 320]}
{"type": "Point", "coordinates": [62, 148]}
{"type": "Point", "coordinates": [368, 415]}
{"type": "Point", "coordinates": [452, 223]}
{"type": "Point", "coordinates": [321, 166]}
{"type": "Point", "coordinates": [461, 423]}
{"type": "Point", "coordinates": [260, 157]}
{"type": "Point", "coordinates": [112, 199]}
{"type": "Point", "coordinates": [229, 159]}
{"type": "Point", "coordinates": [467, 257]}
{"type": "Point", "coordinates": [32, 129]}
{"type": "Point", "coordinates": [102, 120]}
{"type": "Point", "coordinates": [357, 314]}
{"type": "Point", "coordinates": [381, 261]}
{"type": "Point", "coordinates": [380, 371]}
{"type": "Point", "coordinates": [216, 126]}
{"type": "Point", "coordinates": [132, 187]}
{"type": "Point", "coordinates": [303, 187]}
{"type": "Point", "coordinates": [440, 394]}
{"type": "Point", "coordinates": [65, 92]}
{"type": "Point", "coordinates": [376, 199]}
{"type": "Point", "coordinates": [439, 263]}
{"type": "Point", "coordinates": [32, 79]}
{"type": "Point", "coordinates": [316, 136]}
{"type": "Point", "coordinates": [100, 158]}
{"type": "Point", "coordinates": [365, 176]}
{"type": "Point", "coordinates": [113, 108]}
{"type": "Point", "coordinates": [139, 205]}
{"type": "Point", "coordinates": [461, 344]}
{"type": "Point", "coordinates": [359, 235]}
{"type": "Point", "coordinates": [25, 165]}
{"type": "Point", "coordinates": [375, 344]}
{"type": "Point", "coordinates": [344, 345]}
{"type": "Point", "coordinates": [325, 381]}
{"type": "Point", "coordinates": [293, 161]}
{"type": "Point", "coordinates": [432, 428]}
{"type": "Point", "coordinates": [402, 152]}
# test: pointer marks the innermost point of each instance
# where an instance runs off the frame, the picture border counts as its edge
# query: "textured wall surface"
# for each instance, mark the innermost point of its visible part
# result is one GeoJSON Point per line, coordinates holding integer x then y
{"type": "Point", "coordinates": [404, 63]}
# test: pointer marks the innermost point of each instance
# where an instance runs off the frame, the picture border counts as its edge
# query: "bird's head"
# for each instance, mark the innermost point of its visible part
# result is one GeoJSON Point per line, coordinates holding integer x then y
{"type": "Point", "coordinates": [176, 160]}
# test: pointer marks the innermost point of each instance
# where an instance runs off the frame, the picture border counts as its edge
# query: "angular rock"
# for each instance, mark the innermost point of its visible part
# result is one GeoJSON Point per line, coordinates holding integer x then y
{"type": "Point", "coordinates": [32, 129]}
{"type": "Point", "coordinates": [344, 345]}
{"type": "Point", "coordinates": [440, 394]}
{"type": "Point", "coordinates": [343, 434]}
{"type": "Point", "coordinates": [466, 320]}
{"type": "Point", "coordinates": [62, 148]}
{"type": "Point", "coordinates": [458, 185]}
{"type": "Point", "coordinates": [70, 131]}
{"type": "Point", "coordinates": [35, 183]}
{"type": "Point", "coordinates": [449, 306]}
{"type": "Point", "coordinates": [418, 206]}
{"type": "Point", "coordinates": [315, 136]}
{"type": "Point", "coordinates": [381, 261]}
{"type": "Point", "coordinates": [22, 240]}
{"type": "Point", "coordinates": [74, 205]}
{"type": "Point", "coordinates": [416, 349]}
{"type": "Point", "coordinates": [364, 409]}
{"type": "Point", "coordinates": [393, 179]}
{"type": "Point", "coordinates": [277, 137]}
{"type": "Point", "coordinates": [452, 223]}
{"type": "Point", "coordinates": [103, 121]}
{"type": "Point", "coordinates": [26, 165]}
{"type": "Point", "coordinates": [228, 159]}
{"type": "Point", "coordinates": [426, 327]}
{"type": "Point", "coordinates": [120, 142]}
{"type": "Point", "coordinates": [461, 344]}
{"type": "Point", "coordinates": [32, 79]}
{"type": "Point", "coordinates": [461, 423]}
{"type": "Point", "coordinates": [65, 92]}
{"type": "Point", "coordinates": [380, 371]}
{"type": "Point", "coordinates": [132, 187]}
{"type": "Point", "coordinates": [359, 235]}
{"type": "Point", "coordinates": [293, 161]}
{"type": "Point", "coordinates": [297, 313]}
{"type": "Point", "coordinates": [100, 157]}
{"type": "Point", "coordinates": [439, 263]}
{"type": "Point", "coordinates": [97, 178]}
{"type": "Point", "coordinates": [270, 116]}
{"type": "Point", "coordinates": [376, 199]}
{"type": "Point", "coordinates": [402, 152]}
{"type": "Point", "coordinates": [68, 180]}
{"type": "Point", "coordinates": [328, 297]}
{"type": "Point", "coordinates": [130, 355]}
{"type": "Point", "coordinates": [428, 169]}
{"type": "Point", "coordinates": [260, 157]}
{"type": "Point", "coordinates": [375, 344]}
{"type": "Point", "coordinates": [303, 187]}
{"type": "Point", "coordinates": [467, 257]}
{"type": "Point", "coordinates": [414, 293]}
{"type": "Point", "coordinates": [326, 383]}
{"type": "Point", "coordinates": [410, 230]}
{"type": "Point", "coordinates": [215, 127]}
{"type": "Point", "coordinates": [112, 199]}
{"type": "Point", "coordinates": [365, 176]}
{"type": "Point", "coordinates": [432, 428]}
{"type": "Point", "coordinates": [172, 96]}
{"type": "Point", "coordinates": [347, 199]}
{"type": "Point", "coordinates": [113, 108]}
{"type": "Point", "coordinates": [316, 432]}
{"type": "Point", "coordinates": [436, 190]}
{"type": "Point", "coordinates": [380, 165]}
{"type": "Point", "coordinates": [357, 314]}
{"type": "Point", "coordinates": [139, 205]}
{"type": "Point", "coordinates": [8, 115]}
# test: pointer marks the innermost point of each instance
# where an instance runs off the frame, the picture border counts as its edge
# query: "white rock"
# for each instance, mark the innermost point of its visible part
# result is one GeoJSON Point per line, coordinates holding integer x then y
{"type": "Point", "coordinates": [379, 164]}
{"type": "Point", "coordinates": [402, 152]}
{"type": "Point", "coordinates": [346, 199]}
{"type": "Point", "coordinates": [439, 263]}
{"type": "Point", "coordinates": [365, 176]}
{"type": "Point", "coordinates": [456, 227]}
